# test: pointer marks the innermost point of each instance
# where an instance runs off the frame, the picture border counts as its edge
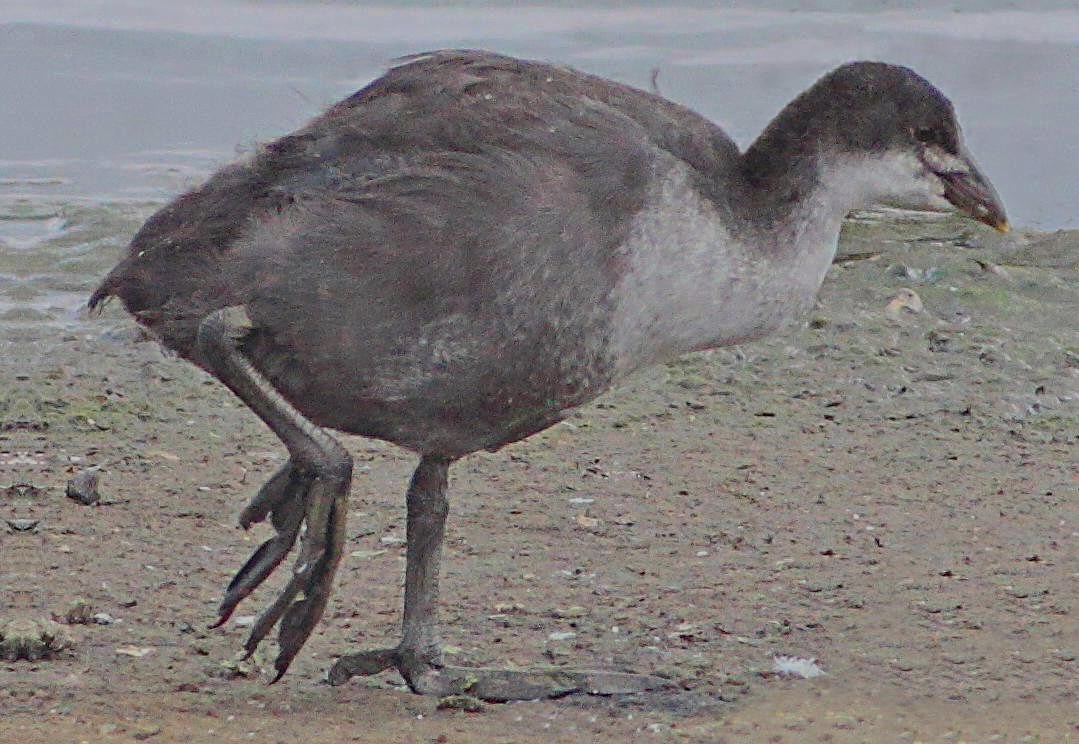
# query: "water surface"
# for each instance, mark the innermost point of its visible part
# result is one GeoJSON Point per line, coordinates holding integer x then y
{"type": "Point", "coordinates": [116, 106]}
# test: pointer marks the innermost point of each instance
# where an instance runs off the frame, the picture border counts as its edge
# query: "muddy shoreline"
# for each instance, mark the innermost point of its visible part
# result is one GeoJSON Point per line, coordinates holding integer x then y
{"type": "Point", "coordinates": [889, 488]}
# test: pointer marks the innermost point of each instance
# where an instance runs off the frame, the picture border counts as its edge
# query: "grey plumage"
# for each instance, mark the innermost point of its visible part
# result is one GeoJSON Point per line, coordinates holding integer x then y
{"type": "Point", "coordinates": [470, 246]}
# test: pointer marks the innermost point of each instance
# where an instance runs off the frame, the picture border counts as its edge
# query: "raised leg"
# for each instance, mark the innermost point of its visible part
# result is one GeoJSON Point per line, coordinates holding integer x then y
{"type": "Point", "coordinates": [311, 489]}
{"type": "Point", "coordinates": [418, 656]}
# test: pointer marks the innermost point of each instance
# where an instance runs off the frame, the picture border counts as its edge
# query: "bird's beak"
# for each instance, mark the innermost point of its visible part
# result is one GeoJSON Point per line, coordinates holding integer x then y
{"type": "Point", "coordinates": [972, 193]}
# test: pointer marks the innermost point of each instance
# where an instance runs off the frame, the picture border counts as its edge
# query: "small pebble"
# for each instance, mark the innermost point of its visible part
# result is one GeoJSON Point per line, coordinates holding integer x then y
{"type": "Point", "coordinates": [83, 487]}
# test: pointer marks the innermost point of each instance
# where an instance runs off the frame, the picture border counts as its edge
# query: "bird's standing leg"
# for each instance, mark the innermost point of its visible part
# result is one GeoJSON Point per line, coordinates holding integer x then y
{"type": "Point", "coordinates": [418, 656]}
{"type": "Point", "coordinates": [420, 648]}
{"type": "Point", "coordinates": [311, 489]}
{"type": "Point", "coordinates": [418, 653]}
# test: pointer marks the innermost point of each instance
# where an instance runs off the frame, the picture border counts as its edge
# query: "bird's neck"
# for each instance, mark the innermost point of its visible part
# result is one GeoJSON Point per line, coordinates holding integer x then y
{"type": "Point", "coordinates": [709, 271]}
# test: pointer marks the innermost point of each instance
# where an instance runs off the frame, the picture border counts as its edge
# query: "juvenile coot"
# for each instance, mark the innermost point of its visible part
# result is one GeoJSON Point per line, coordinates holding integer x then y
{"type": "Point", "coordinates": [455, 256]}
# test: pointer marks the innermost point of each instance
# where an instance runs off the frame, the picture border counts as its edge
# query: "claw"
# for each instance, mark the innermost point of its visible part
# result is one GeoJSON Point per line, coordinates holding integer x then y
{"type": "Point", "coordinates": [362, 664]}
{"type": "Point", "coordinates": [302, 617]}
{"type": "Point", "coordinates": [281, 488]}
{"type": "Point", "coordinates": [296, 625]}
{"type": "Point", "coordinates": [320, 550]}
{"type": "Point", "coordinates": [288, 497]}
{"type": "Point", "coordinates": [260, 565]}
{"type": "Point", "coordinates": [269, 617]}
{"type": "Point", "coordinates": [289, 512]}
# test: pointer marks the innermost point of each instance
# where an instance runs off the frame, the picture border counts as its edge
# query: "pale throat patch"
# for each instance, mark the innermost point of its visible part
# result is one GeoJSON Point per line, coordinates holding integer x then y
{"type": "Point", "coordinates": [691, 284]}
{"type": "Point", "coordinates": [895, 178]}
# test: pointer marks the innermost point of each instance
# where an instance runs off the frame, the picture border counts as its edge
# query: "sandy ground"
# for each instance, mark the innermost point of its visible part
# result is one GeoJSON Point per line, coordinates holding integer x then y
{"type": "Point", "coordinates": [887, 490]}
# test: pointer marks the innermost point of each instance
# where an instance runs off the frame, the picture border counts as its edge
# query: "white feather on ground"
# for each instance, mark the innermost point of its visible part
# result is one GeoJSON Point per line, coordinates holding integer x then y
{"type": "Point", "coordinates": [796, 666]}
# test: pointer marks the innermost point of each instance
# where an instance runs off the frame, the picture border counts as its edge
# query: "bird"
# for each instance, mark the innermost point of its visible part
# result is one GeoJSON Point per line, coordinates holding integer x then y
{"type": "Point", "coordinates": [473, 245]}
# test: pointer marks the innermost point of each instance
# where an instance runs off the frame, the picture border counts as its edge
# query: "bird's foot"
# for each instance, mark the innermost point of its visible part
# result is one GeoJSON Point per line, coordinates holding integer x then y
{"type": "Point", "coordinates": [414, 666]}
{"type": "Point", "coordinates": [290, 498]}
{"type": "Point", "coordinates": [301, 603]}
{"type": "Point", "coordinates": [427, 677]}
{"type": "Point", "coordinates": [283, 498]}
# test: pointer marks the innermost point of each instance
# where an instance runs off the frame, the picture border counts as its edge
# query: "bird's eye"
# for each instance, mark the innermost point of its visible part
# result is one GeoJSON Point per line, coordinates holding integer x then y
{"type": "Point", "coordinates": [941, 137]}
{"type": "Point", "coordinates": [927, 135]}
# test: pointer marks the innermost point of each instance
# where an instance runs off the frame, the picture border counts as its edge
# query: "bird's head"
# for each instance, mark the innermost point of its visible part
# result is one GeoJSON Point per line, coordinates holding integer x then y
{"type": "Point", "coordinates": [893, 116]}
{"type": "Point", "coordinates": [877, 133]}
